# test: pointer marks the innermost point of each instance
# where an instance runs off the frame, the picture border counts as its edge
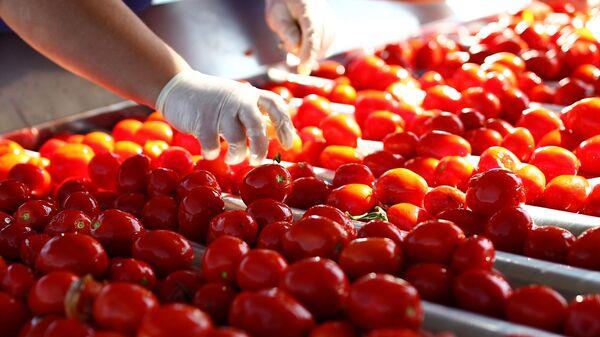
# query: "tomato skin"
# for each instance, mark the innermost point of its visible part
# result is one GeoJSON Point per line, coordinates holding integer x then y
{"type": "Point", "coordinates": [103, 169]}
{"type": "Point", "coordinates": [12, 194]}
{"type": "Point", "coordinates": [355, 199]}
{"type": "Point", "coordinates": [222, 258]}
{"type": "Point", "coordinates": [271, 236]}
{"type": "Point", "coordinates": [584, 251]}
{"type": "Point", "coordinates": [587, 152]}
{"type": "Point", "coordinates": [235, 223]}
{"type": "Point", "coordinates": [537, 306]}
{"type": "Point", "coordinates": [353, 173]}
{"type": "Point", "coordinates": [36, 326]}
{"type": "Point", "coordinates": [371, 255]}
{"type": "Point", "coordinates": [72, 185]}
{"type": "Point", "coordinates": [554, 161]}
{"type": "Point", "coordinates": [403, 143]}
{"type": "Point", "coordinates": [433, 241]}
{"type": "Point", "coordinates": [175, 320]}
{"type": "Point", "coordinates": [164, 250]}
{"type": "Point", "coordinates": [319, 284]}
{"type": "Point", "coordinates": [17, 280]}
{"type": "Point", "coordinates": [440, 144]}
{"type": "Point", "coordinates": [196, 209]}
{"type": "Point", "coordinates": [71, 327]}
{"type": "Point", "coordinates": [36, 178]}
{"type": "Point", "coordinates": [582, 317]}
{"type": "Point", "coordinates": [132, 175]}
{"type": "Point", "coordinates": [266, 181]}
{"type": "Point", "coordinates": [13, 314]}
{"type": "Point", "coordinates": [475, 252]}
{"type": "Point", "coordinates": [380, 162]}
{"type": "Point", "coordinates": [35, 213]}
{"type": "Point", "coordinates": [334, 214]}
{"type": "Point", "coordinates": [481, 100]}
{"type": "Point", "coordinates": [30, 247]}
{"type": "Point", "coordinates": [162, 181]}
{"type": "Point", "coordinates": [215, 299]}
{"type": "Point", "coordinates": [116, 230]}
{"type": "Point", "coordinates": [334, 156]}
{"type": "Point", "coordinates": [400, 185]}
{"type": "Point", "coordinates": [340, 129]}
{"type": "Point", "coordinates": [481, 291]}
{"type": "Point", "coordinates": [442, 198]}
{"type": "Point", "coordinates": [433, 281]}
{"type": "Point", "coordinates": [406, 216]}
{"type": "Point", "coordinates": [270, 312]}
{"type": "Point", "coordinates": [508, 229]}
{"type": "Point", "coordinates": [68, 221]}
{"type": "Point", "coordinates": [160, 212]}
{"type": "Point", "coordinates": [549, 243]}
{"type": "Point", "coordinates": [11, 237]}
{"type": "Point", "coordinates": [442, 97]}
{"type": "Point", "coordinates": [78, 253]}
{"type": "Point", "coordinates": [312, 111]}
{"type": "Point", "coordinates": [493, 190]}
{"type": "Point", "coordinates": [314, 236]}
{"type": "Point", "coordinates": [334, 329]}
{"type": "Point", "coordinates": [121, 306]}
{"type": "Point", "coordinates": [566, 192]}
{"type": "Point", "coordinates": [82, 201]}
{"type": "Point", "coordinates": [179, 286]}
{"type": "Point", "coordinates": [267, 211]}
{"type": "Point", "coordinates": [379, 124]}
{"type": "Point", "coordinates": [70, 160]}
{"type": "Point", "coordinates": [177, 159]}
{"type": "Point", "coordinates": [260, 269]}
{"type": "Point", "coordinates": [307, 192]}
{"type": "Point", "coordinates": [132, 271]}
{"type": "Point", "coordinates": [383, 301]}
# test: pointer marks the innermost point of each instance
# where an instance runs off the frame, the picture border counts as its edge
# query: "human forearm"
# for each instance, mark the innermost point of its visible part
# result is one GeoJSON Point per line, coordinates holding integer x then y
{"type": "Point", "coordinates": [101, 40]}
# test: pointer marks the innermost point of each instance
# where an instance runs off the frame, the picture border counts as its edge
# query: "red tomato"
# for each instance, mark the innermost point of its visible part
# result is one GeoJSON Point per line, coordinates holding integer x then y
{"type": "Point", "coordinates": [11, 237]}
{"type": "Point", "coordinates": [549, 243]}
{"type": "Point", "coordinates": [481, 100]}
{"type": "Point", "coordinates": [433, 281]}
{"type": "Point", "coordinates": [402, 143]}
{"type": "Point", "coordinates": [319, 284]}
{"type": "Point", "coordinates": [67, 221]}
{"type": "Point", "coordinates": [533, 180]}
{"type": "Point", "coordinates": [70, 160]}
{"type": "Point", "coordinates": [381, 161]}
{"type": "Point", "coordinates": [423, 166]}
{"type": "Point", "coordinates": [353, 173]}
{"type": "Point", "coordinates": [13, 314]}
{"type": "Point", "coordinates": [333, 156]}
{"type": "Point", "coordinates": [355, 199]}
{"type": "Point", "coordinates": [126, 129]}
{"type": "Point", "coordinates": [334, 329]}
{"type": "Point", "coordinates": [314, 236]}
{"type": "Point", "coordinates": [271, 236]}
{"type": "Point", "coordinates": [154, 130]}
{"type": "Point", "coordinates": [539, 121]}
{"type": "Point", "coordinates": [476, 252]}
{"type": "Point", "coordinates": [493, 190]}
{"type": "Point", "coordinates": [400, 185]}
{"type": "Point", "coordinates": [508, 229]}
{"type": "Point", "coordinates": [121, 306]}
{"type": "Point", "coordinates": [382, 123]}
{"type": "Point", "coordinates": [301, 170]}
{"type": "Point", "coordinates": [442, 97]}
{"type": "Point", "coordinates": [196, 209]}
{"type": "Point", "coordinates": [175, 320]}
{"type": "Point", "coordinates": [566, 192]}
{"type": "Point", "coordinates": [371, 255]}
{"type": "Point", "coordinates": [481, 291]}
{"type": "Point", "coordinates": [36, 178]}
{"type": "Point", "coordinates": [582, 319]}
{"type": "Point", "coordinates": [164, 250]}
{"type": "Point", "coordinates": [260, 269]}
{"type": "Point", "coordinates": [71, 327]}
{"type": "Point", "coordinates": [17, 279]}
{"type": "Point", "coordinates": [131, 271]}
{"type": "Point", "coordinates": [12, 194]}
{"type": "Point", "coordinates": [222, 258]}
{"type": "Point", "coordinates": [215, 299]}
{"type": "Point", "coordinates": [334, 214]}
{"type": "Point", "coordinates": [340, 129]}
{"type": "Point", "coordinates": [312, 111]}
{"type": "Point", "coordinates": [383, 301]}
{"type": "Point", "coordinates": [235, 223]}
{"type": "Point", "coordinates": [81, 201]}
{"type": "Point", "coordinates": [369, 101]}
{"type": "Point", "coordinates": [453, 171]}
{"type": "Point", "coordinates": [483, 138]}
{"type": "Point", "coordinates": [133, 174]}
{"type": "Point", "coordinates": [537, 306]}
{"type": "Point", "coordinates": [267, 211]}
{"type": "Point", "coordinates": [77, 253]}
{"type": "Point", "coordinates": [116, 230]}
{"type": "Point", "coordinates": [266, 181]}
{"type": "Point", "coordinates": [554, 161]}
{"type": "Point", "coordinates": [177, 159]}
{"type": "Point", "coordinates": [584, 251]}
{"type": "Point", "coordinates": [179, 286]}
{"type": "Point", "coordinates": [433, 241]}
{"type": "Point", "coordinates": [497, 157]}
{"type": "Point", "coordinates": [442, 198]}
{"type": "Point", "coordinates": [307, 192]}
{"type": "Point", "coordinates": [35, 213]}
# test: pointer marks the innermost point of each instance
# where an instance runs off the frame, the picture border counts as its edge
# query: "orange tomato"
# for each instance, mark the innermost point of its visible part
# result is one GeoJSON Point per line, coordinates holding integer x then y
{"type": "Point", "coordinates": [153, 149]}
{"type": "Point", "coordinates": [126, 149]}
{"type": "Point", "coordinates": [335, 155]}
{"type": "Point", "coordinates": [99, 141]}
{"type": "Point", "coordinates": [340, 130]}
{"type": "Point", "coordinates": [126, 129]}
{"type": "Point", "coordinates": [9, 146]}
{"type": "Point", "coordinates": [70, 160]}
{"type": "Point", "coordinates": [154, 130]}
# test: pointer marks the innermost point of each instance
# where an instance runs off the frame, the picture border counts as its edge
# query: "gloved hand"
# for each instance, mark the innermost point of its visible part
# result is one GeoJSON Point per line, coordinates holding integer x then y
{"type": "Point", "coordinates": [209, 106]}
{"type": "Point", "coordinates": [304, 26]}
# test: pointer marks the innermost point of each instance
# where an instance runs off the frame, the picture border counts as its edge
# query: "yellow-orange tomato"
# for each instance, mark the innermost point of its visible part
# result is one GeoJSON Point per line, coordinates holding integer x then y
{"type": "Point", "coordinates": [343, 93]}
{"type": "Point", "coordinates": [99, 141]}
{"type": "Point", "coordinates": [70, 160]}
{"type": "Point", "coordinates": [154, 130]}
{"type": "Point", "coordinates": [355, 199]}
{"type": "Point", "coordinates": [453, 171]}
{"type": "Point", "coordinates": [156, 116]}
{"type": "Point", "coordinates": [423, 166]}
{"type": "Point", "coordinates": [335, 155]}
{"type": "Point", "coordinates": [340, 130]}
{"type": "Point", "coordinates": [555, 161]}
{"type": "Point", "coordinates": [534, 182]}
{"type": "Point", "coordinates": [290, 154]}
{"type": "Point", "coordinates": [510, 60]}
{"type": "Point", "coordinates": [497, 157]}
{"type": "Point", "coordinates": [75, 139]}
{"type": "Point", "coordinates": [41, 162]}
{"type": "Point", "coordinates": [153, 148]}
{"type": "Point", "coordinates": [8, 160]}
{"type": "Point", "coordinates": [566, 192]}
{"type": "Point", "coordinates": [9, 146]}
{"type": "Point", "coordinates": [400, 185]}
{"type": "Point", "coordinates": [126, 129]}
{"type": "Point", "coordinates": [125, 149]}
{"type": "Point", "coordinates": [406, 216]}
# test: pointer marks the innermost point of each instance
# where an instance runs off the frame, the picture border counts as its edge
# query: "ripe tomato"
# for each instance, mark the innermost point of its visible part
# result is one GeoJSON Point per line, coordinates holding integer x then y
{"type": "Point", "coordinates": [77, 253]}
{"type": "Point", "coordinates": [403, 143]}
{"type": "Point", "coordinates": [162, 181]}
{"type": "Point", "coordinates": [177, 159]}
{"type": "Point", "coordinates": [481, 291]}
{"type": "Point", "coordinates": [71, 185]}
{"type": "Point", "coordinates": [586, 152]}
{"type": "Point", "coordinates": [160, 212]}
{"type": "Point", "coordinates": [131, 202]}
{"type": "Point", "coordinates": [9, 161]}
{"type": "Point", "coordinates": [215, 299]}
{"type": "Point", "coordinates": [333, 156]}
{"type": "Point", "coordinates": [383, 301]}
{"type": "Point", "coordinates": [497, 157]}
{"type": "Point", "coordinates": [334, 329]}
{"type": "Point", "coordinates": [11, 237]}
{"type": "Point", "coordinates": [17, 280]}
{"type": "Point", "coordinates": [433, 241]}
{"type": "Point", "coordinates": [483, 138]}
{"type": "Point", "coordinates": [353, 173]}
{"type": "Point", "coordinates": [70, 160]}
{"type": "Point", "coordinates": [405, 216]}
{"type": "Point", "coordinates": [267, 211]}
{"type": "Point", "coordinates": [539, 122]}
{"type": "Point", "coordinates": [126, 149]}
{"type": "Point", "coordinates": [582, 117]}
{"type": "Point", "coordinates": [99, 141]}
{"type": "Point", "coordinates": [270, 312]}
{"type": "Point", "coordinates": [381, 123]}
{"type": "Point", "coordinates": [175, 320]}
{"type": "Point", "coordinates": [126, 129]}
{"type": "Point", "coordinates": [235, 223]}
{"type": "Point", "coordinates": [13, 315]}
{"type": "Point", "coordinates": [307, 192]}
{"type": "Point", "coordinates": [266, 181]}
{"type": "Point", "coordinates": [340, 129]}
{"type": "Point", "coordinates": [271, 236]}
{"type": "Point", "coordinates": [133, 174]}
{"type": "Point", "coordinates": [260, 269]}
{"type": "Point", "coordinates": [369, 101]}
{"type": "Point", "coordinates": [400, 185]}
{"type": "Point", "coordinates": [36, 178]}
{"type": "Point", "coordinates": [82, 201]}
{"type": "Point", "coordinates": [301, 170]}
{"type": "Point", "coordinates": [196, 209]}
{"type": "Point", "coordinates": [581, 318]}
{"type": "Point", "coordinates": [164, 250]}
{"type": "Point", "coordinates": [12, 194]}
{"type": "Point", "coordinates": [508, 229]}
{"type": "Point", "coordinates": [116, 230]}
{"type": "Point", "coordinates": [312, 111]}
{"type": "Point", "coordinates": [381, 161]}
{"type": "Point", "coordinates": [188, 142]}
{"type": "Point", "coordinates": [554, 161]}
{"type": "Point", "coordinates": [476, 252]}
{"type": "Point", "coordinates": [154, 130]}
{"type": "Point", "coordinates": [533, 180]}
{"type": "Point", "coordinates": [453, 171]}
{"type": "Point", "coordinates": [132, 271]}
{"type": "Point", "coordinates": [371, 255]}
{"type": "Point", "coordinates": [584, 251]}
{"type": "Point", "coordinates": [121, 306]}
{"type": "Point", "coordinates": [222, 258]}
{"type": "Point", "coordinates": [433, 281]}
{"type": "Point", "coordinates": [334, 214]}
{"type": "Point", "coordinates": [566, 192]}
{"type": "Point", "coordinates": [423, 166]}
{"type": "Point", "coordinates": [318, 284]}
{"type": "Point", "coordinates": [549, 243]}
{"type": "Point", "coordinates": [355, 199]}
{"type": "Point", "coordinates": [493, 190]}
{"type": "Point", "coordinates": [537, 306]}
{"type": "Point", "coordinates": [481, 100]}
{"type": "Point", "coordinates": [179, 286]}
{"type": "Point", "coordinates": [67, 221]}
{"type": "Point", "coordinates": [343, 93]}
{"type": "Point", "coordinates": [35, 213]}
{"type": "Point", "coordinates": [314, 236]}
{"type": "Point", "coordinates": [442, 198]}
{"type": "Point", "coordinates": [442, 97]}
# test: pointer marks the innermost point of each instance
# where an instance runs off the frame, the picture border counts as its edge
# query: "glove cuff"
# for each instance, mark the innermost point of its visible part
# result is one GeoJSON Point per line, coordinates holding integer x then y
{"type": "Point", "coordinates": [166, 90]}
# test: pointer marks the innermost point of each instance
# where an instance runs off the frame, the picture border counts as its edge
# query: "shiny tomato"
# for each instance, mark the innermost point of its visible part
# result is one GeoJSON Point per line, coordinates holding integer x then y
{"type": "Point", "coordinates": [82, 201]}
{"type": "Point", "coordinates": [215, 299]}
{"type": "Point", "coordinates": [160, 212]}
{"type": "Point", "coordinates": [406, 216]}
{"type": "Point", "coordinates": [533, 180]}
{"type": "Point", "coordinates": [353, 173]}
{"type": "Point", "coordinates": [132, 175]}
{"type": "Point", "coordinates": [235, 223]}
{"type": "Point", "coordinates": [177, 159]}
{"type": "Point", "coordinates": [566, 192]}
{"type": "Point", "coordinates": [554, 161]}
{"type": "Point", "coordinates": [549, 243]}
{"type": "Point", "coordinates": [132, 271]}
{"type": "Point", "coordinates": [476, 252]}
{"type": "Point", "coordinates": [301, 170]}
{"type": "Point", "coordinates": [340, 129]}
{"type": "Point", "coordinates": [382, 123]}
{"type": "Point", "coordinates": [164, 250]}
{"type": "Point", "coordinates": [333, 156]}
{"type": "Point", "coordinates": [11, 237]}
{"type": "Point", "coordinates": [175, 320]}
{"type": "Point", "coordinates": [77, 253]}
{"type": "Point", "coordinates": [266, 181]}
{"type": "Point", "coordinates": [481, 291]}
{"type": "Point", "coordinates": [537, 306]}
{"type": "Point", "coordinates": [383, 301]}
{"type": "Point", "coordinates": [314, 236]}
{"type": "Point", "coordinates": [35, 213]}
{"type": "Point", "coordinates": [334, 329]}
{"type": "Point", "coordinates": [343, 93]}
{"type": "Point", "coordinates": [403, 143]}
{"type": "Point", "coordinates": [493, 190]}
{"type": "Point", "coordinates": [126, 129]}
{"type": "Point", "coordinates": [267, 211]}
{"type": "Point", "coordinates": [222, 258]}
{"type": "Point", "coordinates": [131, 202]}
{"type": "Point", "coordinates": [67, 221]}
{"type": "Point", "coordinates": [381, 161]}
{"type": "Point", "coordinates": [442, 198]}
{"type": "Point", "coordinates": [271, 235]}
{"type": "Point", "coordinates": [453, 171]}
{"type": "Point", "coordinates": [483, 138]}
{"type": "Point", "coordinates": [400, 185]}
{"type": "Point", "coordinates": [13, 315]}
{"type": "Point", "coordinates": [371, 255]}
{"type": "Point", "coordinates": [582, 117]}
{"type": "Point", "coordinates": [312, 111]}
{"type": "Point", "coordinates": [369, 101]}
{"type": "Point", "coordinates": [196, 209]}
{"type": "Point", "coordinates": [581, 318]}
{"type": "Point", "coordinates": [433, 281]}
{"type": "Point", "coordinates": [587, 152]}
{"type": "Point", "coordinates": [307, 192]}
{"type": "Point", "coordinates": [270, 312]}
{"type": "Point", "coordinates": [36, 178]}
{"type": "Point", "coordinates": [162, 181]}
{"type": "Point", "coordinates": [319, 284]}
{"type": "Point", "coordinates": [355, 199]}
{"type": "Point", "coordinates": [433, 241]}
{"type": "Point", "coordinates": [508, 229]}
{"type": "Point", "coordinates": [442, 97]}
{"type": "Point", "coordinates": [424, 167]}
{"type": "Point", "coordinates": [584, 251]}
{"type": "Point", "coordinates": [126, 149]}
{"type": "Point", "coordinates": [481, 100]}
{"type": "Point", "coordinates": [116, 230]}
{"type": "Point", "coordinates": [260, 269]}
{"type": "Point", "coordinates": [72, 185]}
{"type": "Point", "coordinates": [103, 169]}
{"type": "Point", "coordinates": [187, 141]}
{"type": "Point", "coordinates": [334, 214]}
{"type": "Point", "coordinates": [99, 141]}
{"type": "Point", "coordinates": [154, 130]}
{"type": "Point", "coordinates": [70, 160]}
{"type": "Point", "coordinates": [179, 286]}
{"type": "Point", "coordinates": [17, 280]}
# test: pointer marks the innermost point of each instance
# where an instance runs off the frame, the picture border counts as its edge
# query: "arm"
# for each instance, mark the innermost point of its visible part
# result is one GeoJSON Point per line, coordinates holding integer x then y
{"type": "Point", "coordinates": [101, 40]}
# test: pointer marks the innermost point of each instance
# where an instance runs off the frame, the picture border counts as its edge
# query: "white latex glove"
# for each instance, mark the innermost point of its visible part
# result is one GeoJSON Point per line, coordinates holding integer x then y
{"type": "Point", "coordinates": [304, 26]}
{"type": "Point", "coordinates": [209, 106]}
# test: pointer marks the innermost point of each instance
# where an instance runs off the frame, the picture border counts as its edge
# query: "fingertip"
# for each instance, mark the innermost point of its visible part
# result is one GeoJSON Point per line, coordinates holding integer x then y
{"type": "Point", "coordinates": [286, 136]}
{"type": "Point", "coordinates": [236, 153]}
{"type": "Point", "coordinates": [210, 154]}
